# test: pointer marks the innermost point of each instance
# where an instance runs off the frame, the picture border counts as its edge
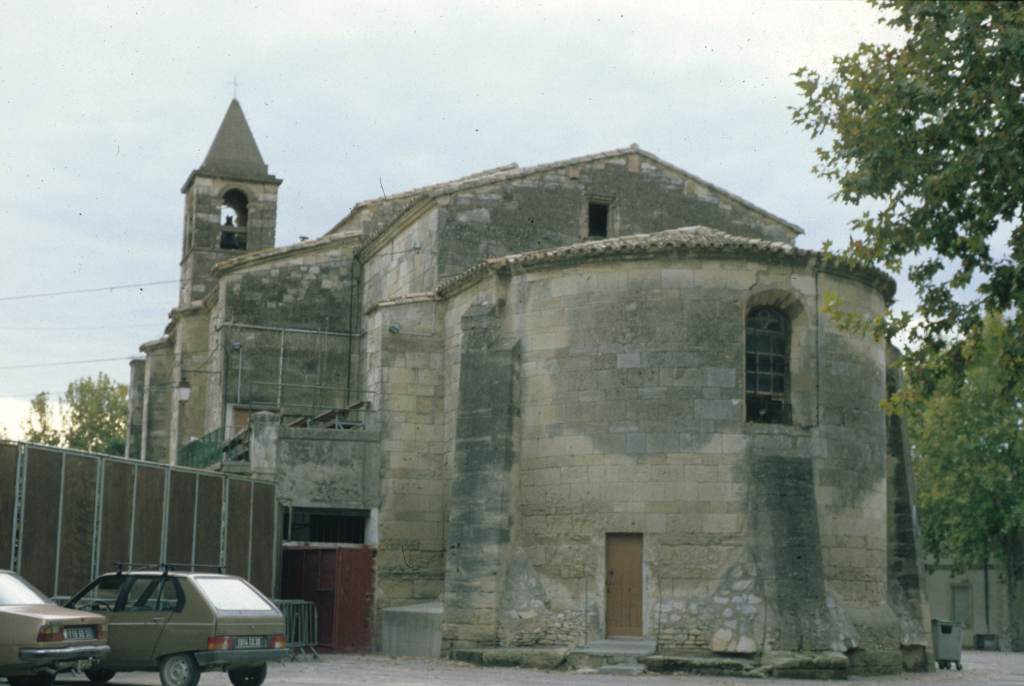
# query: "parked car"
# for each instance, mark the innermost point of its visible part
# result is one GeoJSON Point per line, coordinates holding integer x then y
{"type": "Point", "coordinates": [39, 639]}
{"type": "Point", "coordinates": [184, 623]}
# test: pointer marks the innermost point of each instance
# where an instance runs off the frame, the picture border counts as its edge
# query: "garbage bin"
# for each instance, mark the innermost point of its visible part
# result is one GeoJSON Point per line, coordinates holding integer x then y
{"type": "Point", "coordinates": [947, 638]}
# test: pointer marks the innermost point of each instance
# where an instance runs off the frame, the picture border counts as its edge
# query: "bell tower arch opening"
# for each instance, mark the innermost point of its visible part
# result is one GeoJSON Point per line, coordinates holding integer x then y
{"type": "Point", "coordinates": [234, 220]}
{"type": "Point", "coordinates": [230, 205]}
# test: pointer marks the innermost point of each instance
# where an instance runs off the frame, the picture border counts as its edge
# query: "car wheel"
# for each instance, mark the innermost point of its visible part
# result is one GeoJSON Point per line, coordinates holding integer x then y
{"type": "Point", "coordinates": [248, 676]}
{"type": "Point", "coordinates": [179, 670]}
{"type": "Point", "coordinates": [100, 675]}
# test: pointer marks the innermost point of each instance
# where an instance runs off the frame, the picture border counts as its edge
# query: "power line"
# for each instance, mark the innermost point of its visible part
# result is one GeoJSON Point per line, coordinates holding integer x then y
{"type": "Point", "coordinates": [86, 290]}
{"type": "Point", "coordinates": [62, 364]}
{"type": "Point", "coordinates": [80, 328]}
{"type": "Point", "coordinates": [116, 359]}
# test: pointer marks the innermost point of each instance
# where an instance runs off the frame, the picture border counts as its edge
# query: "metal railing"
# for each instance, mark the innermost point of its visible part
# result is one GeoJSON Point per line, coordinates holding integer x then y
{"type": "Point", "coordinates": [202, 452]}
{"type": "Point", "coordinates": [300, 625]}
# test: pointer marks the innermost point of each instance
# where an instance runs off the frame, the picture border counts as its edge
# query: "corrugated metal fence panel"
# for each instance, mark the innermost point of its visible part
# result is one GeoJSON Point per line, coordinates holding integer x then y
{"type": "Point", "coordinates": [77, 517]}
{"type": "Point", "coordinates": [8, 471]}
{"type": "Point", "coordinates": [115, 530]}
{"type": "Point", "coordinates": [39, 527]}
{"type": "Point", "coordinates": [211, 494]}
{"type": "Point", "coordinates": [149, 516]}
{"type": "Point", "coordinates": [182, 518]}
{"type": "Point", "coordinates": [265, 545]}
{"type": "Point", "coordinates": [239, 520]}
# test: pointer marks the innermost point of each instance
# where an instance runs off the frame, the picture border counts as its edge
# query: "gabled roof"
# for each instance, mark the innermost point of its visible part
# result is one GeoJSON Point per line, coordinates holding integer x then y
{"type": "Point", "coordinates": [234, 153]}
{"type": "Point", "coordinates": [514, 171]}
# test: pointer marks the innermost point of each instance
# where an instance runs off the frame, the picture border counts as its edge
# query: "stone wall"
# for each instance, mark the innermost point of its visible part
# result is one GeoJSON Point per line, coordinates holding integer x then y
{"type": "Point", "coordinates": [192, 353]}
{"type": "Point", "coordinates": [157, 398]}
{"type": "Point", "coordinates": [756, 536]}
{"type": "Point", "coordinates": [549, 209]}
{"type": "Point", "coordinates": [482, 491]}
{"type": "Point", "coordinates": [906, 572]}
{"type": "Point", "coordinates": [405, 378]}
{"type": "Point", "coordinates": [290, 330]}
{"type": "Point", "coordinates": [136, 393]}
{"type": "Point", "coordinates": [405, 264]}
{"type": "Point", "coordinates": [201, 249]}
{"type": "Point", "coordinates": [317, 467]}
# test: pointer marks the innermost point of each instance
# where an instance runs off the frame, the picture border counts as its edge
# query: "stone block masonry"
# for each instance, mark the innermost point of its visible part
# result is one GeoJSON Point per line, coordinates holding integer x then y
{"type": "Point", "coordinates": [479, 523]}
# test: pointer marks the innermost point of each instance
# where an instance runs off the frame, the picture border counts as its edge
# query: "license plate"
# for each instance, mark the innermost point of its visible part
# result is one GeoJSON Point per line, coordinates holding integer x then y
{"type": "Point", "coordinates": [251, 642]}
{"type": "Point", "coordinates": [79, 633]}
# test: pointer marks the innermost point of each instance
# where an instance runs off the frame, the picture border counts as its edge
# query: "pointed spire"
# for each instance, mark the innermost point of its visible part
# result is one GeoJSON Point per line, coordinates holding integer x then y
{"type": "Point", "coordinates": [234, 152]}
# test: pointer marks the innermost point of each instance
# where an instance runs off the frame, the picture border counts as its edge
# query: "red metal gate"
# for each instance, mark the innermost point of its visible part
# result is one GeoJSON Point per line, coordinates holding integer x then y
{"type": "Point", "coordinates": [339, 581]}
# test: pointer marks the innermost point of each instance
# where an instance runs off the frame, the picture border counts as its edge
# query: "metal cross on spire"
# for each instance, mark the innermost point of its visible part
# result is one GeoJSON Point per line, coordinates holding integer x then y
{"type": "Point", "coordinates": [234, 88]}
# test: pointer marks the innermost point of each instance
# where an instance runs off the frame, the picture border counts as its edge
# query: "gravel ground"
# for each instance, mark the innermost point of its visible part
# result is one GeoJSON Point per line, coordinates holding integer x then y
{"type": "Point", "coordinates": [980, 668]}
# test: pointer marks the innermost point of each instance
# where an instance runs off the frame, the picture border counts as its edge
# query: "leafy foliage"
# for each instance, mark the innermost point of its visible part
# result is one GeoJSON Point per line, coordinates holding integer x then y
{"type": "Point", "coordinates": [96, 415]}
{"type": "Point", "coordinates": [93, 416]}
{"type": "Point", "coordinates": [932, 131]}
{"type": "Point", "coordinates": [40, 425]}
{"type": "Point", "coordinates": [969, 455]}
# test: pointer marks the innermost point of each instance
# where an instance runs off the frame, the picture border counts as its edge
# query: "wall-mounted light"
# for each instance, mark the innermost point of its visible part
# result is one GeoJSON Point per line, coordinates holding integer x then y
{"type": "Point", "coordinates": [394, 327]}
{"type": "Point", "coordinates": [183, 391]}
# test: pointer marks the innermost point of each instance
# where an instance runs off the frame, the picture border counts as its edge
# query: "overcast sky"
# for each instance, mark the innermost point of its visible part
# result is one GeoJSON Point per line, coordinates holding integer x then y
{"type": "Point", "coordinates": [107, 106]}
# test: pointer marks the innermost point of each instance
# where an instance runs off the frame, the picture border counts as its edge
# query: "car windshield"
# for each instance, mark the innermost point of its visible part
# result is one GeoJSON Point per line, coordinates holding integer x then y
{"type": "Point", "coordinates": [15, 591]}
{"type": "Point", "coordinates": [226, 593]}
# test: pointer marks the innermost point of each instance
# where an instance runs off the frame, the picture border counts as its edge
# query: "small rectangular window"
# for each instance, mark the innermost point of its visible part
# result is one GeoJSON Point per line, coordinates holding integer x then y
{"type": "Point", "coordinates": [597, 220]}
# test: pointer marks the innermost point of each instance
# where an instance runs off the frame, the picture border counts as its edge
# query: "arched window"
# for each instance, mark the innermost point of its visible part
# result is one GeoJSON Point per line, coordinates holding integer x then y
{"type": "Point", "coordinates": [234, 217]}
{"type": "Point", "coordinates": [768, 366]}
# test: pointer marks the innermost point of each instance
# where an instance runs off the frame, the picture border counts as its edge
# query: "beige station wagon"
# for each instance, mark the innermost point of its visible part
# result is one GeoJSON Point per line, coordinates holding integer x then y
{"type": "Point", "coordinates": [39, 639]}
{"type": "Point", "coordinates": [184, 623]}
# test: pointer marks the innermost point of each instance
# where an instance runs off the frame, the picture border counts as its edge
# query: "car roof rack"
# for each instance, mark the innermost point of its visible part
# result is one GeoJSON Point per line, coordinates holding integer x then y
{"type": "Point", "coordinates": [165, 567]}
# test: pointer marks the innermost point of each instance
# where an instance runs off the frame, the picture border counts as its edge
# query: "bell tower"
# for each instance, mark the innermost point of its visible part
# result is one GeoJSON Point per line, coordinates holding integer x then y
{"type": "Point", "coordinates": [230, 205]}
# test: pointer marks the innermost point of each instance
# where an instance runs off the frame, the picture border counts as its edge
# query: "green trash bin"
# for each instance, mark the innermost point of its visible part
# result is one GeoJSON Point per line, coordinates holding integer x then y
{"type": "Point", "coordinates": [947, 639]}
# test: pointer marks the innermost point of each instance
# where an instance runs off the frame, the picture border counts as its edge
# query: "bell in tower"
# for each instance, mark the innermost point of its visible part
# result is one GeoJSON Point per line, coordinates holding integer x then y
{"type": "Point", "coordinates": [230, 205]}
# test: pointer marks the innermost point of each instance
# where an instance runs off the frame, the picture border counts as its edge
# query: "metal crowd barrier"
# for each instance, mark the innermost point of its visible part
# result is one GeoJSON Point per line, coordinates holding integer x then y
{"type": "Point", "coordinates": [300, 625]}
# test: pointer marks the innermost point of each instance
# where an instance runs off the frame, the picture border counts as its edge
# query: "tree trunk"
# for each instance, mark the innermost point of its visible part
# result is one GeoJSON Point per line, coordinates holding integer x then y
{"type": "Point", "coordinates": [1013, 554]}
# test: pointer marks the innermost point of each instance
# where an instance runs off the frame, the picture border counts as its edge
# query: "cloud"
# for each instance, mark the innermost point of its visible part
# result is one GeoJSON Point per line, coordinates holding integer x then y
{"type": "Point", "coordinates": [108, 106]}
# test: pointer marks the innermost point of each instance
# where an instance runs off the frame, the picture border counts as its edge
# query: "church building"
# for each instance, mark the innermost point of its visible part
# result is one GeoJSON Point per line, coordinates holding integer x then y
{"type": "Point", "coordinates": [590, 399]}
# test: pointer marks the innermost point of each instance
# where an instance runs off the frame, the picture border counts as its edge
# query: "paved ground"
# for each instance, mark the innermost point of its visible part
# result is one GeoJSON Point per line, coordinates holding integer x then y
{"type": "Point", "coordinates": [980, 668]}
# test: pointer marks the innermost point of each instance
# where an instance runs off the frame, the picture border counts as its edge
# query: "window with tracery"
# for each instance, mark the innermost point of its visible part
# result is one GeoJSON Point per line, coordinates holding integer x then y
{"type": "Point", "coordinates": [767, 372]}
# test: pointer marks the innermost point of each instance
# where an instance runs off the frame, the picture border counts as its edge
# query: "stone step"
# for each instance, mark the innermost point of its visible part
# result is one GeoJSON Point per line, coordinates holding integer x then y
{"type": "Point", "coordinates": [635, 647]}
{"type": "Point", "coordinates": [622, 669]}
{"type": "Point", "coordinates": [620, 653]}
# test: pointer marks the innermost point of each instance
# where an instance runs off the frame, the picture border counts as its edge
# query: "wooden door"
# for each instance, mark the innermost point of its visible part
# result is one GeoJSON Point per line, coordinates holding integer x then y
{"type": "Point", "coordinates": [624, 585]}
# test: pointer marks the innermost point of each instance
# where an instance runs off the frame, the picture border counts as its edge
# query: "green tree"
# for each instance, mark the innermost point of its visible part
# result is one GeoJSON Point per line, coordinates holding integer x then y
{"type": "Point", "coordinates": [930, 132]}
{"type": "Point", "coordinates": [969, 464]}
{"type": "Point", "coordinates": [93, 416]}
{"type": "Point", "coordinates": [40, 424]}
{"type": "Point", "coordinates": [96, 415]}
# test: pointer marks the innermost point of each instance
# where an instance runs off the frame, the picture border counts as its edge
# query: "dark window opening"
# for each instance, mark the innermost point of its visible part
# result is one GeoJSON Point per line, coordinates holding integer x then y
{"type": "Point", "coordinates": [767, 373]}
{"type": "Point", "coordinates": [597, 220]}
{"type": "Point", "coordinates": [323, 525]}
{"type": "Point", "coordinates": [234, 217]}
